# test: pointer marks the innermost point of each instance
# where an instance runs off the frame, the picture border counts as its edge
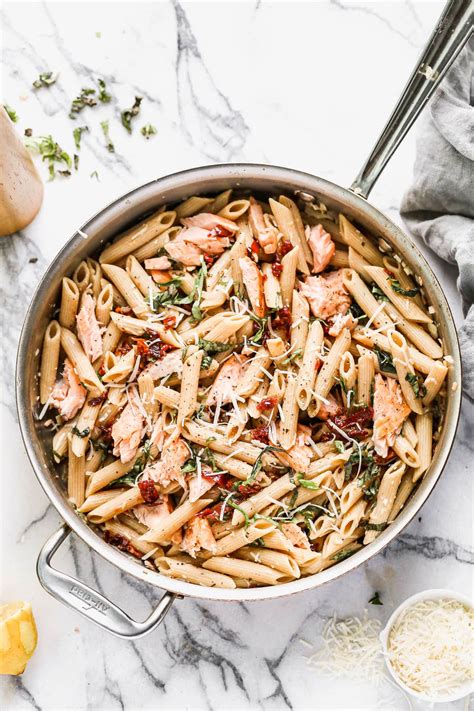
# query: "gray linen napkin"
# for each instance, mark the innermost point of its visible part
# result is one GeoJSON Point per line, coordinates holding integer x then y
{"type": "Point", "coordinates": [439, 206]}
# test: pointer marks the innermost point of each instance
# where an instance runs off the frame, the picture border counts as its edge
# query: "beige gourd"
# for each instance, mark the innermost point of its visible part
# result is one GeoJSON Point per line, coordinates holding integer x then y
{"type": "Point", "coordinates": [21, 189]}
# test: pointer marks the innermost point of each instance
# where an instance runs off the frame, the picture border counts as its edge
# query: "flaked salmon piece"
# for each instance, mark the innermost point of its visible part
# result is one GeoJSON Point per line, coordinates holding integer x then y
{"type": "Point", "coordinates": [181, 251]}
{"type": "Point", "coordinates": [168, 467]}
{"type": "Point", "coordinates": [88, 329]}
{"type": "Point", "coordinates": [390, 412]}
{"type": "Point", "coordinates": [265, 235]}
{"type": "Point", "coordinates": [321, 245]}
{"type": "Point", "coordinates": [326, 294]}
{"type": "Point", "coordinates": [208, 221]}
{"type": "Point", "coordinates": [297, 457]}
{"type": "Point", "coordinates": [226, 382]}
{"type": "Point", "coordinates": [171, 363]}
{"type": "Point", "coordinates": [160, 263]}
{"type": "Point", "coordinates": [329, 409]}
{"type": "Point", "coordinates": [68, 395]}
{"type": "Point", "coordinates": [198, 536]}
{"type": "Point", "coordinates": [198, 487]}
{"type": "Point", "coordinates": [253, 280]}
{"type": "Point", "coordinates": [341, 321]}
{"type": "Point", "coordinates": [295, 535]}
{"type": "Point", "coordinates": [160, 277]}
{"type": "Point", "coordinates": [303, 434]}
{"type": "Point", "coordinates": [128, 429]}
{"type": "Point", "coordinates": [208, 242]}
{"type": "Point", "coordinates": [152, 515]}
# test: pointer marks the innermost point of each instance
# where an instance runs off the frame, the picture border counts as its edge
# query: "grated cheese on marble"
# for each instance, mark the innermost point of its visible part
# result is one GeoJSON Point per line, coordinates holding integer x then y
{"type": "Point", "coordinates": [430, 646]}
{"type": "Point", "coordinates": [350, 648]}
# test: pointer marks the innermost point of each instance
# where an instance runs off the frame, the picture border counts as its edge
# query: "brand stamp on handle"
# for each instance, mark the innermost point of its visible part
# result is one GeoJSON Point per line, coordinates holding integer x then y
{"type": "Point", "coordinates": [89, 601]}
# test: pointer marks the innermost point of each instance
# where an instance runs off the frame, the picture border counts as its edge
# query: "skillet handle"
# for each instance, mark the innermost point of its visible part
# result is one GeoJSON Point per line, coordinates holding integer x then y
{"type": "Point", "coordinates": [88, 602]}
{"type": "Point", "coordinates": [448, 38]}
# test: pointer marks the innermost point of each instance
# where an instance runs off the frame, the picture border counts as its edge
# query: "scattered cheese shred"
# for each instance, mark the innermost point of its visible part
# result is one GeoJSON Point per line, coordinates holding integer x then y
{"type": "Point", "coordinates": [430, 646]}
{"type": "Point", "coordinates": [350, 648]}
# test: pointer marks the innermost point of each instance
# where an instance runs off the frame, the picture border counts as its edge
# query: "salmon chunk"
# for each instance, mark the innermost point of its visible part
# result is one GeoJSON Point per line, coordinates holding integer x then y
{"type": "Point", "coordinates": [295, 535]}
{"type": "Point", "coordinates": [152, 515]}
{"type": "Point", "coordinates": [321, 245]}
{"type": "Point", "coordinates": [265, 235]}
{"type": "Point", "coordinates": [226, 382]}
{"type": "Point", "coordinates": [181, 251]}
{"type": "Point", "coordinates": [168, 467]}
{"type": "Point", "coordinates": [329, 409]}
{"type": "Point", "coordinates": [210, 222]}
{"type": "Point", "coordinates": [208, 242]}
{"type": "Point", "coordinates": [159, 263]}
{"type": "Point", "coordinates": [390, 412]}
{"type": "Point", "coordinates": [326, 294]}
{"type": "Point", "coordinates": [171, 363]}
{"type": "Point", "coordinates": [253, 280]}
{"type": "Point", "coordinates": [88, 329]}
{"type": "Point", "coordinates": [68, 394]}
{"type": "Point", "coordinates": [128, 429]}
{"type": "Point", "coordinates": [198, 536]}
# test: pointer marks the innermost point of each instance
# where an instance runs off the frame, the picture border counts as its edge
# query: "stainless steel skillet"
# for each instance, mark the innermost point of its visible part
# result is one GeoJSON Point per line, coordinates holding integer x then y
{"type": "Point", "coordinates": [451, 33]}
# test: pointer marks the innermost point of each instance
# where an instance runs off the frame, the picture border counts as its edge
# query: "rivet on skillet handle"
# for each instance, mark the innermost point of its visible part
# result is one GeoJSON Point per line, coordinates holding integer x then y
{"type": "Point", "coordinates": [452, 31]}
{"type": "Point", "coordinates": [89, 602]}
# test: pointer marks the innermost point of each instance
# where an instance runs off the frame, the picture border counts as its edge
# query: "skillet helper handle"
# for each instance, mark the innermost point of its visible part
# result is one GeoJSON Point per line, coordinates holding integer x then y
{"type": "Point", "coordinates": [88, 602]}
{"type": "Point", "coordinates": [452, 31]}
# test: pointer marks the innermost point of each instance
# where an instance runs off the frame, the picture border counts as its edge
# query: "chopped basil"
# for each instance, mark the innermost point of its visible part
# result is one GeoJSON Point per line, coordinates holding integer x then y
{"type": "Point", "coordinates": [94, 174]}
{"type": "Point", "coordinates": [339, 444]}
{"type": "Point", "coordinates": [357, 312]}
{"type": "Point", "coordinates": [148, 130]}
{"type": "Point", "coordinates": [78, 433]}
{"type": "Point", "coordinates": [77, 133]}
{"type": "Point", "coordinates": [12, 114]}
{"type": "Point", "coordinates": [76, 161]}
{"type": "Point", "coordinates": [212, 347]}
{"type": "Point", "coordinates": [342, 555]}
{"type": "Point", "coordinates": [196, 293]}
{"type": "Point", "coordinates": [385, 361]}
{"type": "Point", "coordinates": [51, 152]}
{"type": "Point", "coordinates": [375, 600]}
{"type": "Point", "coordinates": [419, 390]}
{"type": "Point", "coordinates": [238, 508]}
{"type": "Point", "coordinates": [128, 114]}
{"type": "Point", "coordinates": [45, 79]}
{"type": "Point", "coordinates": [108, 141]}
{"type": "Point", "coordinates": [85, 98]}
{"type": "Point", "coordinates": [103, 96]}
{"type": "Point", "coordinates": [396, 286]}
{"type": "Point", "coordinates": [378, 293]}
{"type": "Point", "coordinates": [376, 526]}
{"type": "Point", "coordinates": [256, 467]}
{"type": "Point", "coordinates": [293, 356]}
{"type": "Point", "coordinates": [206, 362]}
{"type": "Point", "coordinates": [306, 483]}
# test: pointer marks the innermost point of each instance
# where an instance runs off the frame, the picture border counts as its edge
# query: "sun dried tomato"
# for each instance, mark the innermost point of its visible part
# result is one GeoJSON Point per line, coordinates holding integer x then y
{"type": "Point", "coordinates": [123, 349]}
{"type": "Point", "coordinates": [157, 350]}
{"type": "Point", "coordinates": [277, 269]}
{"type": "Point", "coordinates": [169, 322]}
{"type": "Point", "coordinates": [284, 247]}
{"type": "Point", "coordinates": [125, 310]}
{"type": "Point", "coordinates": [261, 434]}
{"type": "Point", "coordinates": [382, 461]}
{"type": "Point", "coordinates": [214, 512]}
{"type": "Point", "coordinates": [268, 403]}
{"type": "Point", "coordinates": [218, 478]}
{"type": "Point", "coordinates": [97, 400]}
{"type": "Point", "coordinates": [255, 247]}
{"type": "Point", "coordinates": [247, 490]}
{"type": "Point", "coordinates": [148, 491]}
{"type": "Point", "coordinates": [122, 544]}
{"type": "Point", "coordinates": [208, 259]}
{"type": "Point", "coordinates": [142, 346]}
{"type": "Point", "coordinates": [282, 319]}
{"type": "Point", "coordinates": [354, 424]}
{"type": "Point", "coordinates": [220, 231]}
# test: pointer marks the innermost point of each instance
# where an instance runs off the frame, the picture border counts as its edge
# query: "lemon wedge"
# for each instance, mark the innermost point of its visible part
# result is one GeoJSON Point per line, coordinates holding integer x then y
{"type": "Point", "coordinates": [18, 637]}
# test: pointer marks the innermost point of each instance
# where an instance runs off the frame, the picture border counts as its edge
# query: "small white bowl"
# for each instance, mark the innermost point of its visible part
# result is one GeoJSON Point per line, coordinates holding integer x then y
{"type": "Point", "coordinates": [465, 688]}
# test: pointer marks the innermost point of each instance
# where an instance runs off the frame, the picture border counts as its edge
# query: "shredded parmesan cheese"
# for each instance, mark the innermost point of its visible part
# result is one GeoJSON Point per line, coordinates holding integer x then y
{"type": "Point", "coordinates": [430, 646]}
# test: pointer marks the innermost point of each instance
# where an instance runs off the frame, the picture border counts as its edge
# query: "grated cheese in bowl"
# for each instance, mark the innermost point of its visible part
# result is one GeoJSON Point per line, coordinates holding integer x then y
{"type": "Point", "coordinates": [430, 647]}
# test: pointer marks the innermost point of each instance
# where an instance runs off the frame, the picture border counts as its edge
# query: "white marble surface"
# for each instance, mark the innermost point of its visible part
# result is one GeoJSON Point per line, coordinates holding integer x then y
{"type": "Point", "coordinates": [306, 85]}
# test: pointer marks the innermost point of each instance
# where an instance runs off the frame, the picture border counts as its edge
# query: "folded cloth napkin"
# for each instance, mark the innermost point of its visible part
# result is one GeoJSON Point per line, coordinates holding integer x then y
{"type": "Point", "coordinates": [439, 206]}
